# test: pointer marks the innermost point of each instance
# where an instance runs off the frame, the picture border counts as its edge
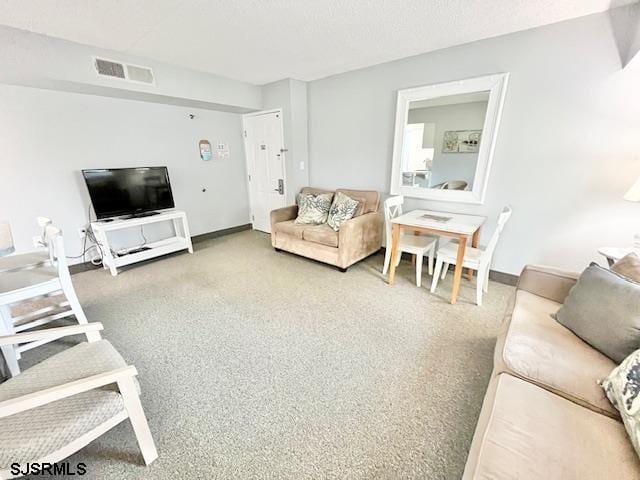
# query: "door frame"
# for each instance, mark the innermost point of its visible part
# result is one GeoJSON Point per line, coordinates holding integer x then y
{"type": "Point", "coordinates": [283, 156]}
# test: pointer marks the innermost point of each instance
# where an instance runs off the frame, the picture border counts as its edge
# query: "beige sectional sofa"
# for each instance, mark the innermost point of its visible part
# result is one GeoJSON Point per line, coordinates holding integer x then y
{"type": "Point", "coordinates": [357, 238]}
{"type": "Point", "coordinates": [544, 414]}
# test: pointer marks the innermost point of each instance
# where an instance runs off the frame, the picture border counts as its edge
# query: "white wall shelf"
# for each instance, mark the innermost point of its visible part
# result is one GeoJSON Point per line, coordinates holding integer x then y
{"type": "Point", "coordinates": [181, 240]}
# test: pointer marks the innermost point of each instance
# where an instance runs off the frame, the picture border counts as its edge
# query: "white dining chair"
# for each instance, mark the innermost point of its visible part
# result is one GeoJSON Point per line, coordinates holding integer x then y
{"type": "Point", "coordinates": [478, 259]}
{"type": "Point", "coordinates": [37, 283]}
{"type": "Point", "coordinates": [38, 258]}
{"type": "Point", "coordinates": [63, 403]}
{"type": "Point", "coordinates": [418, 245]}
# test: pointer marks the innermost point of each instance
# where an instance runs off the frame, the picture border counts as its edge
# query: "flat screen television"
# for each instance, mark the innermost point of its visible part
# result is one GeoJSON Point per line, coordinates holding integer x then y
{"type": "Point", "coordinates": [117, 192]}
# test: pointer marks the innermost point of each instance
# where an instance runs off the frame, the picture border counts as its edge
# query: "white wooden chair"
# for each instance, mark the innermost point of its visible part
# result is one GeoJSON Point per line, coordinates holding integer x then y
{"type": "Point", "coordinates": [60, 405]}
{"type": "Point", "coordinates": [39, 282]}
{"type": "Point", "coordinates": [418, 245]}
{"type": "Point", "coordinates": [474, 258]}
{"type": "Point", "coordinates": [24, 261]}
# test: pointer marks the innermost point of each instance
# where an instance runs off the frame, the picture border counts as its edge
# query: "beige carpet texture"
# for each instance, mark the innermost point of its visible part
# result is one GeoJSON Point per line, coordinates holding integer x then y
{"type": "Point", "coordinates": [261, 364]}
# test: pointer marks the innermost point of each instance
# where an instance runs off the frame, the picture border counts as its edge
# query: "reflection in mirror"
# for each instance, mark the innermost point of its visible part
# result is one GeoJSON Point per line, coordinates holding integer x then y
{"type": "Point", "coordinates": [445, 136]}
{"type": "Point", "coordinates": [441, 141]}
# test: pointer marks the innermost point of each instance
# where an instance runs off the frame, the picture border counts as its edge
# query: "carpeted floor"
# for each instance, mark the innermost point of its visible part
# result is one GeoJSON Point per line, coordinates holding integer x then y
{"type": "Point", "coordinates": [258, 364]}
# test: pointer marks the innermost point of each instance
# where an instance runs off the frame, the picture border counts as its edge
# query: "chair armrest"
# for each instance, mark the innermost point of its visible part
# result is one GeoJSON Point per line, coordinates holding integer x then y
{"type": "Point", "coordinates": [283, 214]}
{"type": "Point", "coordinates": [359, 237]}
{"type": "Point", "coordinates": [43, 397]}
{"type": "Point", "coordinates": [548, 282]}
{"type": "Point", "coordinates": [52, 334]}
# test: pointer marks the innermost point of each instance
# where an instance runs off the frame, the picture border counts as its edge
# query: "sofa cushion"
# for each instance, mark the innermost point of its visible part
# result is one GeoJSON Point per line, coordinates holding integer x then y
{"type": "Point", "coordinates": [534, 434]}
{"type": "Point", "coordinates": [623, 389]}
{"type": "Point", "coordinates": [290, 228]}
{"type": "Point", "coordinates": [628, 266]}
{"type": "Point", "coordinates": [537, 348]}
{"type": "Point", "coordinates": [369, 198]}
{"type": "Point", "coordinates": [322, 234]}
{"type": "Point", "coordinates": [313, 208]}
{"type": "Point", "coordinates": [603, 309]}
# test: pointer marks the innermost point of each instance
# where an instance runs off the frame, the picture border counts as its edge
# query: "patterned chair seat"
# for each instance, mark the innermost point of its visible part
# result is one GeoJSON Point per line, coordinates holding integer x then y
{"type": "Point", "coordinates": [36, 433]}
{"type": "Point", "coordinates": [33, 435]}
{"type": "Point", "coordinates": [80, 361]}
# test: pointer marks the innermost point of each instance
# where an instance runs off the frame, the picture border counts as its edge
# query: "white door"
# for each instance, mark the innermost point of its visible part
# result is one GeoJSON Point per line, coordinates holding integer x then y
{"type": "Point", "coordinates": [264, 147]}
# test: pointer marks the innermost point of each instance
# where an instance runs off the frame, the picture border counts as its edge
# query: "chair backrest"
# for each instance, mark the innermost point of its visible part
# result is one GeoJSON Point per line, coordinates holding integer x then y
{"type": "Point", "coordinates": [502, 221]}
{"type": "Point", "coordinates": [6, 239]}
{"type": "Point", "coordinates": [392, 209]}
{"type": "Point", "coordinates": [56, 243]}
{"type": "Point", "coordinates": [43, 222]}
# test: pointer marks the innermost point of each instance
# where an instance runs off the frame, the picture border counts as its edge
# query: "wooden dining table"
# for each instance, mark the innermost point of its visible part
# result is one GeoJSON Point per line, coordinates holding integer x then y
{"type": "Point", "coordinates": [454, 225]}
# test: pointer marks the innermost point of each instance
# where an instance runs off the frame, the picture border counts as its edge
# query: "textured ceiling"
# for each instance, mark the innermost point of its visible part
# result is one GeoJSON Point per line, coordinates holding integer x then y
{"type": "Point", "coordinates": [260, 41]}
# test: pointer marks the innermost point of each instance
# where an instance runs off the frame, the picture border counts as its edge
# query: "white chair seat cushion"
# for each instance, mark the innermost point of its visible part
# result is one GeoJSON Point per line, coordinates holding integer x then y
{"type": "Point", "coordinates": [23, 260]}
{"type": "Point", "coordinates": [449, 254]}
{"type": "Point", "coordinates": [37, 433]}
{"type": "Point", "coordinates": [80, 361]}
{"type": "Point", "coordinates": [30, 435]}
{"type": "Point", "coordinates": [15, 281]}
{"type": "Point", "coordinates": [416, 243]}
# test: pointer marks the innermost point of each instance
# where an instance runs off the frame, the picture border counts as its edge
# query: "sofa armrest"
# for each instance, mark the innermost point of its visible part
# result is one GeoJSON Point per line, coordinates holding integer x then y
{"type": "Point", "coordinates": [283, 214]}
{"type": "Point", "coordinates": [547, 282]}
{"type": "Point", "coordinates": [359, 237]}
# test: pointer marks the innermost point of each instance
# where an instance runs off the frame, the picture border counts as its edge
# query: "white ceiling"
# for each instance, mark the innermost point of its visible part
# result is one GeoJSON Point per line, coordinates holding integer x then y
{"type": "Point", "coordinates": [260, 41]}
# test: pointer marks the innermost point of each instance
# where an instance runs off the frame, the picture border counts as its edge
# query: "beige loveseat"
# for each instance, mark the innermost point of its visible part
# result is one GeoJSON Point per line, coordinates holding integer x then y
{"type": "Point", "coordinates": [544, 415]}
{"type": "Point", "coordinates": [357, 238]}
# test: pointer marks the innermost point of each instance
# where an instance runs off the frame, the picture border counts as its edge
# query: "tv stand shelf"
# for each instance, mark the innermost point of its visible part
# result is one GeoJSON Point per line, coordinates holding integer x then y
{"type": "Point", "coordinates": [181, 240]}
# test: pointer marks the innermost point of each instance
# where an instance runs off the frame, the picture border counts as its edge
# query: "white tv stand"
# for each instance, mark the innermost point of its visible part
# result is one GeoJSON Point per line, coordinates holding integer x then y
{"type": "Point", "coordinates": [182, 240]}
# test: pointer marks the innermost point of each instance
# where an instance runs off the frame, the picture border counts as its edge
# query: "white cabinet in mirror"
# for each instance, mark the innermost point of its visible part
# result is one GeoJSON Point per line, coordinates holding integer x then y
{"type": "Point", "coordinates": [444, 139]}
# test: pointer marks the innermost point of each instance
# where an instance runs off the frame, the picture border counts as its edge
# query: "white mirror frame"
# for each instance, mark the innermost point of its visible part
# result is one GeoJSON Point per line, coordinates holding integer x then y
{"type": "Point", "coordinates": [497, 86]}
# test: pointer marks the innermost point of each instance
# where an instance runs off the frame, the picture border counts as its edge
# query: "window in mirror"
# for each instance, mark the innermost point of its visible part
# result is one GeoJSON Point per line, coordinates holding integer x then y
{"type": "Point", "coordinates": [418, 153]}
{"type": "Point", "coordinates": [443, 145]}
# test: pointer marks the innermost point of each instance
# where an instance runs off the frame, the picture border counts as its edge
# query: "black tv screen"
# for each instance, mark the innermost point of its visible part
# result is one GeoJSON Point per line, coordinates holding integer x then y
{"type": "Point", "coordinates": [128, 191]}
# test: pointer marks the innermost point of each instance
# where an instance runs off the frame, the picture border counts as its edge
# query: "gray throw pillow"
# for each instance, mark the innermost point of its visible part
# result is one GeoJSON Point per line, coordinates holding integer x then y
{"type": "Point", "coordinates": [313, 208]}
{"type": "Point", "coordinates": [603, 309]}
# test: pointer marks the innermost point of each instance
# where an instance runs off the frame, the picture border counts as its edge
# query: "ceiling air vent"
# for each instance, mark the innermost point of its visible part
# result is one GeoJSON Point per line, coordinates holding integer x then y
{"type": "Point", "coordinates": [124, 71]}
{"type": "Point", "coordinates": [139, 74]}
{"type": "Point", "coordinates": [109, 69]}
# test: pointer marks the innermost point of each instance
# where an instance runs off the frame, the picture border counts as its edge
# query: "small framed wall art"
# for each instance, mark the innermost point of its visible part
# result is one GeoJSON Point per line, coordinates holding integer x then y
{"type": "Point", "coordinates": [205, 150]}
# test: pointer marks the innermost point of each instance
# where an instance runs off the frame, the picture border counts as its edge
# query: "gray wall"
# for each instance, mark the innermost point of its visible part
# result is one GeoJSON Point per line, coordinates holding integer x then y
{"type": "Point", "coordinates": [568, 145]}
{"type": "Point", "coordinates": [461, 116]}
{"type": "Point", "coordinates": [47, 137]}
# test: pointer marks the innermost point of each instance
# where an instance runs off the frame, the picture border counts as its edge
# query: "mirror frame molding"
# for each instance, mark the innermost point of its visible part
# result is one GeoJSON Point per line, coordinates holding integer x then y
{"type": "Point", "coordinates": [496, 84]}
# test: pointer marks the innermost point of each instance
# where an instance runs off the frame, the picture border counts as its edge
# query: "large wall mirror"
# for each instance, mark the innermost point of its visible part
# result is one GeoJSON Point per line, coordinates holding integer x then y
{"type": "Point", "coordinates": [444, 139]}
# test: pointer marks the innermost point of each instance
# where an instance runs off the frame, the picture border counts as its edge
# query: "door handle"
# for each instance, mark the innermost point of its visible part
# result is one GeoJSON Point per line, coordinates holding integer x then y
{"type": "Point", "coordinates": [280, 188]}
